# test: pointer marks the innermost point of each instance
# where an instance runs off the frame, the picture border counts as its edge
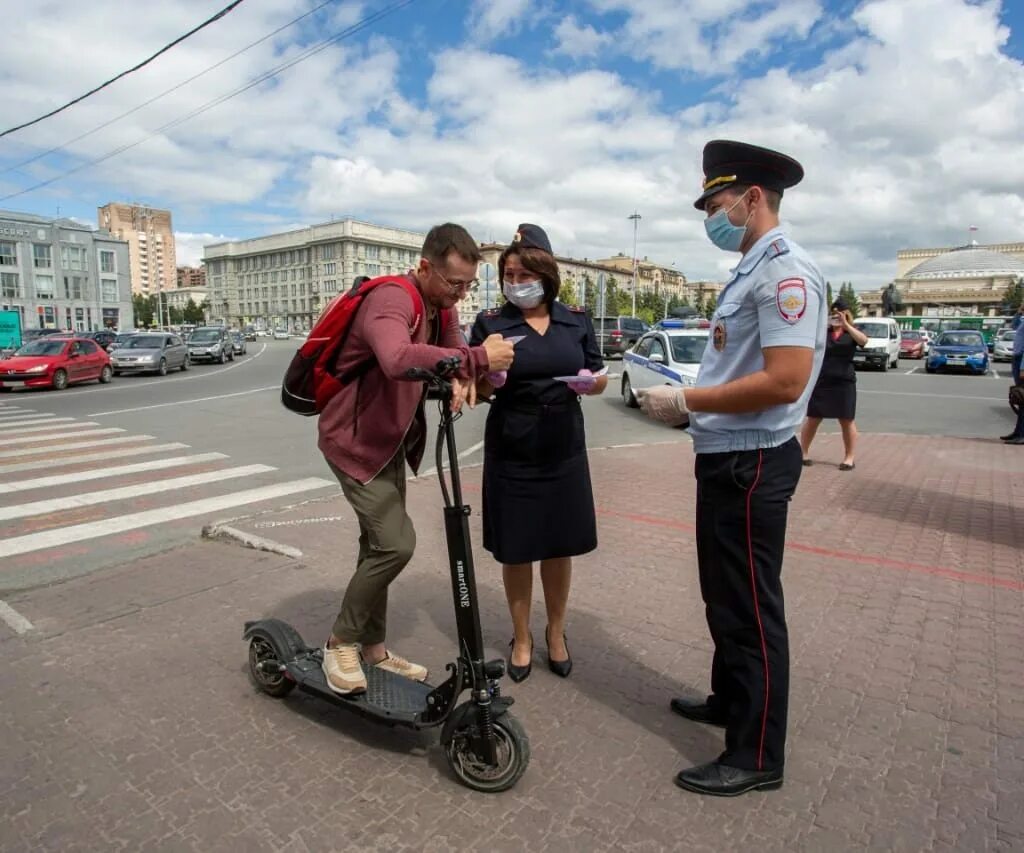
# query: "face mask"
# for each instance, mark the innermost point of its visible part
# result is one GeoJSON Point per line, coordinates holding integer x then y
{"type": "Point", "coordinates": [722, 232]}
{"type": "Point", "coordinates": [528, 295]}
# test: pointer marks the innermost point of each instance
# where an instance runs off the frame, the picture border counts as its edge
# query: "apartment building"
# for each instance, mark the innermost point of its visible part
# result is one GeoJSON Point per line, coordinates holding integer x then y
{"type": "Point", "coordinates": [150, 237]}
{"type": "Point", "coordinates": [60, 274]}
{"type": "Point", "coordinates": [191, 277]}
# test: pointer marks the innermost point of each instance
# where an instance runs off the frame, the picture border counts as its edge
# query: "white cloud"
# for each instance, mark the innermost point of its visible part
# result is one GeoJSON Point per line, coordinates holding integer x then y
{"type": "Point", "coordinates": [579, 41]}
{"type": "Point", "coordinates": [188, 247]}
{"type": "Point", "coordinates": [492, 19]}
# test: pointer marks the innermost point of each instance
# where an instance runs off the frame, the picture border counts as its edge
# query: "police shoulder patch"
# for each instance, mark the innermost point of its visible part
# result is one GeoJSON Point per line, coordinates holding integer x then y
{"type": "Point", "coordinates": [791, 299]}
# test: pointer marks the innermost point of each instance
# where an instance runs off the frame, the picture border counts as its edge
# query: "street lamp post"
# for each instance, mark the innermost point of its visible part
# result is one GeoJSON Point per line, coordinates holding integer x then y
{"type": "Point", "coordinates": [636, 224]}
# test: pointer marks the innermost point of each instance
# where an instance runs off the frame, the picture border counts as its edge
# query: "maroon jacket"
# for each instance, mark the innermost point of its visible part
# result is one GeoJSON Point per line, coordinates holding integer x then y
{"type": "Point", "coordinates": [367, 421]}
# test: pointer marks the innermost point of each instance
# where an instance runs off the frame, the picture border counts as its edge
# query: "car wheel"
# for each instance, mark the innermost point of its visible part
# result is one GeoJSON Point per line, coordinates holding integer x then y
{"type": "Point", "coordinates": [231, 355]}
{"type": "Point", "coordinates": [186, 364]}
{"type": "Point", "coordinates": [628, 397]}
{"type": "Point", "coordinates": [928, 369]}
{"type": "Point", "coordinates": [105, 374]}
{"type": "Point", "coordinates": [222, 358]}
{"type": "Point", "coordinates": [60, 380]}
{"type": "Point", "coordinates": [885, 366]}
{"type": "Point", "coordinates": [162, 369]}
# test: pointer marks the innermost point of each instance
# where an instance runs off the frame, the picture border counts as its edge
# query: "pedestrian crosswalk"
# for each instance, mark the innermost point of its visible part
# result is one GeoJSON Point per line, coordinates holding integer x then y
{"type": "Point", "coordinates": [65, 481]}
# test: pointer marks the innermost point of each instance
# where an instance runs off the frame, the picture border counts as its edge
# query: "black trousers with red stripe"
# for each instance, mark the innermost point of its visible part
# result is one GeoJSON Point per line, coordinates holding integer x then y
{"type": "Point", "coordinates": [742, 506]}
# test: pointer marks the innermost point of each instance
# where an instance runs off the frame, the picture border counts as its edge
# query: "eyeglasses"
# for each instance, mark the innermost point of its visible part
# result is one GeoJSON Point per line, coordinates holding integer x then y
{"type": "Point", "coordinates": [456, 286]}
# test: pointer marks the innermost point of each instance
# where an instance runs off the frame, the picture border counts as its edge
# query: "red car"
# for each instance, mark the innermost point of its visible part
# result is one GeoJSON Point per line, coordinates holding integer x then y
{"type": "Point", "coordinates": [912, 344]}
{"type": "Point", "coordinates": [53, 362]}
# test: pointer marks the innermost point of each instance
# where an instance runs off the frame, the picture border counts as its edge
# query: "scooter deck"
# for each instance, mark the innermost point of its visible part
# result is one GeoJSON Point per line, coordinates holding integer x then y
{"type": "Point", "coordinates": [388, 696]}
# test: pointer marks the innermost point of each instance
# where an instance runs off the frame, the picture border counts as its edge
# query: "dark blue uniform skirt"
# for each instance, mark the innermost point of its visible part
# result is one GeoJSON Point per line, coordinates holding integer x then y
{"type": "Point", "coordinates": [538, 502]}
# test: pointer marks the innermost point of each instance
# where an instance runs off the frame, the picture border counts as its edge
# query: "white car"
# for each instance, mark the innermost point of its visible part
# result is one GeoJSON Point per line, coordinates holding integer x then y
{"type": "Point", "coordinates": [280, 334]}
{"type": "Point", "coordinates": [662, 357]}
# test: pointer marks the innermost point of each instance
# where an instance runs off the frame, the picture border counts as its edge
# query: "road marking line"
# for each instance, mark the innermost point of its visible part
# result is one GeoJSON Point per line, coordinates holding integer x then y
{"type": "Point", "coordinates": [937, 396]}
{"type": "Point", "coordinates": [32, 421]}
{"type": "Point", "coordinates": [183, 402]}
{"type": "Point", "coordinates": [81, 458]}
{"type": "Point", "coordinates": [16, 413]}
{"type": "Point", "coordinates": [18, 623]}
{"type": "Point", "coordinates": [433, 470]}
{"type": "Point", "coordinates": [50, 427]}
{"type": "Point", "coordinates": [912, 370]}
{"type": "Point", "coordinates": [133, 521]}
{"type": "Point", "coordinates": [75, 445]}
{"type": "Point", "coordinates": [104, 473]}
{"type": "Point", "coordinates": [138, 490]}
{"type": "Point", "coordinates": [57, 439]}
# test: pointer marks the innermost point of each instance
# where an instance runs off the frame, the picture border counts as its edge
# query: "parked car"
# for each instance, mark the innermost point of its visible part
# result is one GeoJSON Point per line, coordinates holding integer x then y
{"type": "Point", "coordinates": [912, 344]}
{"type": "Point", "coordinates": [103, 337]}
{"type": "Point", "coordinates": [250, 333]}
{"type": "Point", "coordinates": [1002, 349]}
{"type": "Point", "coordinates": [883, 347]}
{"type": "Point", "coordinates": [662, 357]}
{"type": "Point", "coordinates": [211, 343]}
{"type": "Point", "coordinates": [150, 352]}
{"type": "Point", "coordinates": [29, 335]}
{"type": "Point", "coordinates": [238, 343]}
{"type": "Point", "coordinates": [55, 362]}
{"type": "Point", "coordinates": [120, 340]}
{"type": "Point", "coordinates": [615, 335]}
{"type": "Point", "coordinates": [958, 349]}
{"type": "Point", "coordinates": [280, 334]}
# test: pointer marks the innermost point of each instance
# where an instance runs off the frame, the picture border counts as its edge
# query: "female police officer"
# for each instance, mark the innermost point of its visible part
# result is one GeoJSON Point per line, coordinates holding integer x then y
{"type": "Point", "coordinates": [537, 499]}
{"type": "Point", "coordinates": [767, 342]}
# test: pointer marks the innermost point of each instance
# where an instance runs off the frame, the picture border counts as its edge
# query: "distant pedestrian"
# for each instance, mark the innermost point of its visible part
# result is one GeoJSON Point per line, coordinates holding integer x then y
{"type": "Point", "coordinates": [756, 375]}
{"type": "Point", "coordinates": [538, 504]}
{"type": "Point", "coordinates": [835, 393]}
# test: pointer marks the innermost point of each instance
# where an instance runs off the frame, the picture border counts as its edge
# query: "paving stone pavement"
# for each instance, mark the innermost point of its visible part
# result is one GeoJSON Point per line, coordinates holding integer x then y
{"type": "Point", "coordinates": [127, 721]}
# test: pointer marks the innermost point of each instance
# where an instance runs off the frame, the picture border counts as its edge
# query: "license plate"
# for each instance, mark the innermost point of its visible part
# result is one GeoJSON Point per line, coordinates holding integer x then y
{"type": "Point", "coordinates": [13, 383]}
{"type": "Point", "coordinates": [958, 358]}
{"type": "Point", "coordinates": [860, 358]}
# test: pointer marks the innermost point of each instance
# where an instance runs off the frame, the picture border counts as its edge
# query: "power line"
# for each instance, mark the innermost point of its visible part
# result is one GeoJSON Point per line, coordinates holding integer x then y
{"type": "Point", "coordinates": [320, 46]}
{"type": "Point", "coordinates": [18, 166]}
{"type": "Point", "coordinates": [226, 10]}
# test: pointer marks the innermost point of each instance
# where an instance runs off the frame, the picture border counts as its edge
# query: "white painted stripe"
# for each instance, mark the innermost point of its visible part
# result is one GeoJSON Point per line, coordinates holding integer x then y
{"type": "Point", "coordinates": [49, 427]}
{"type": "Point", "coordinates": [937, 396]}
{"type": "Point", "coordinates": [18, 623]}
{"type": "Point", "coordinates": [133, 521]}
{"type": "Point", "coordinates": [75, 445]}
{"type": "Point", "coordinates": [56, 440]}
{"type": "Point", "coordinates": [469, 451]}
{"type": "Point", "coordinates": [103, 473]}
{"type": "Point", "coordinates": [32, 421]}
{"type": "Point", "coordinates": [126, 492]}
{"type": "Point", "coordinates": [82, 458]}
{"type": "Point", "coordinates": [15, 413]}
{"type": "Point", "coordinates": [184, 402]}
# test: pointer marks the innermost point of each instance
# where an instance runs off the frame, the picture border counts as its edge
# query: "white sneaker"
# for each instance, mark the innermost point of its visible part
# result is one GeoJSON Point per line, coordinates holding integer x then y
{"type": "Point", "coordinates": [343, 670]}
{"type": "Point", "coordinates": [400, 666]}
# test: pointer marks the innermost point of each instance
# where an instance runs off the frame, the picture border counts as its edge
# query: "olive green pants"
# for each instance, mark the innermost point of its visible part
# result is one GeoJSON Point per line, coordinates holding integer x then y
{"type": "Point", "coordinates": [386, 544]}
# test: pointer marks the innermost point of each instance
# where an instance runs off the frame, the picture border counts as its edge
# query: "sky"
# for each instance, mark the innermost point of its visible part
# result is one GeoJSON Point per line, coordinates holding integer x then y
{"type": "Point", "coordinates": [907, 115]}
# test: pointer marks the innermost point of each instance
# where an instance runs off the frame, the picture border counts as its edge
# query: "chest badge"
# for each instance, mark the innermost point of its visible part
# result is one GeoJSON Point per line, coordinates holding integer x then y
{"type": "Point", "coordinates": [718, 335]}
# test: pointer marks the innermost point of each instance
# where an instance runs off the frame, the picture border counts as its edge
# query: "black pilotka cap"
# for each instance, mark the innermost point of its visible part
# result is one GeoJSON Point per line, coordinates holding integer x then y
{"type": "Point", "coordinates": [531, 237]}
{"type": "Point", "coordinates": [727, 163]}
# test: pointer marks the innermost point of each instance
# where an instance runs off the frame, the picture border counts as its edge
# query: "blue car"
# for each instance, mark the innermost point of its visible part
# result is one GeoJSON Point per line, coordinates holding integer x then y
{"type": "Point", "coordinates": [962, 350]}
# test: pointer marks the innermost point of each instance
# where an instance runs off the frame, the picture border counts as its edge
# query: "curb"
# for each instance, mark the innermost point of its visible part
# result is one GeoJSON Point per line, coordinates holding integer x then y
{"type": "Point", "coordinates": [220, 531]}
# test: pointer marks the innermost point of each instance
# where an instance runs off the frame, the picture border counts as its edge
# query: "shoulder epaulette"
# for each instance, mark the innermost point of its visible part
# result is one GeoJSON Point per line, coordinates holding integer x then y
{"type": "Point", "coordinates": [490, 312]}
{"type": "Point", "coordinates": [777, 247]}
{"type": "Point", "coordinates": [576, 309]}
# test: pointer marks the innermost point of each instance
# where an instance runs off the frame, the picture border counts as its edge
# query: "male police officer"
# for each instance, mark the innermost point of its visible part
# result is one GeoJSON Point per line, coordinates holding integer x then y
{"type": "Point", "coordinates": [766, 347]}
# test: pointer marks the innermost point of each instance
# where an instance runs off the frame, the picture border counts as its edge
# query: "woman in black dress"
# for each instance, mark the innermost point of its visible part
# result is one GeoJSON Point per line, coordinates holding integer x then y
{"type": "Point", "coordinates": [538, 505]}
{"type": "Point", "coordinates": [835, 393]}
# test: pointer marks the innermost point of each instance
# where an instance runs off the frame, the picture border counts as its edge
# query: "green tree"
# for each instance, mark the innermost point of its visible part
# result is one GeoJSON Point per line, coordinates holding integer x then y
{"type": "Point", "coordinates": [568, 293]}
{"type": "Point", "coordinates": [1014, 296]}
{"type": "Point", "coordinates": [174, 315]}
{"type": "Point", "coordinates": [828, 293]}
{"type": "Point", "coordinates": [847, 293]}
{"type": "Point", "coordinates": [144, 308]}
{"type": "Point", "coordinates": [192, 313]}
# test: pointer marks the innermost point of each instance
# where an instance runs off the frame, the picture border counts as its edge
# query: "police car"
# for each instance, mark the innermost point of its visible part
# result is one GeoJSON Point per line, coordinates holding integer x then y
{"type": "Point", "coordinates": [667, 355]}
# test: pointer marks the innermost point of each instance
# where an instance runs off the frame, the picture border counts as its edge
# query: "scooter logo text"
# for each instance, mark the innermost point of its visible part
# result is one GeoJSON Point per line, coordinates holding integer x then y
{"type": "Point", "coordinates": [460, 569]}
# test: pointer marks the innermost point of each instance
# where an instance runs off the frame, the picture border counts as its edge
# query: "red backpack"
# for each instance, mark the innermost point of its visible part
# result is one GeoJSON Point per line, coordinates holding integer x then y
{"type": "Point", "coordinates": [311, 380]}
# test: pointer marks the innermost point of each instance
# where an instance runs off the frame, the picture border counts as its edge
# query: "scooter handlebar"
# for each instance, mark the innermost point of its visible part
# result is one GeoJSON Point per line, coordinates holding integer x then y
{"type": "Point", "coordinates": [444, 369]}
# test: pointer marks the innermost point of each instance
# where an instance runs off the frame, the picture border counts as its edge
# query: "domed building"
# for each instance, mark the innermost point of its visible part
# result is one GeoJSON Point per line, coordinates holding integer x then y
{"type": "Point", "coordinates": [968, 280]}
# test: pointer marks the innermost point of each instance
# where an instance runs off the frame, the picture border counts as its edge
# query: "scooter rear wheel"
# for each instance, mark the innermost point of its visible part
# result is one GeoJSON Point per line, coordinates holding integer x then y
{"type": "Point", "coordinates": [272, 683]}
{"type": "Point", "coordinates": [513, 747]}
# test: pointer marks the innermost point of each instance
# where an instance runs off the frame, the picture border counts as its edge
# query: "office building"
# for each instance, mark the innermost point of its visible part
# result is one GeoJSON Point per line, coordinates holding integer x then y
{"type": "Point", "coordinates": [150, 237]}
{"type": "Point", "coordinates": [191, 277]}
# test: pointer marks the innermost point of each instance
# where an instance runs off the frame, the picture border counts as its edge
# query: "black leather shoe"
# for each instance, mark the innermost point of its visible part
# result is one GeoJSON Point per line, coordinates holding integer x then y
{"type": "Point", "coordinates": [519, 673]}
{"type": "Point", "coordinates": [720, 780]}
{"type": "Point", "coordinates": [561, 668]}
{"type": "Point", "coordinates": [700, 712]}
{"type": "Point", "coordinates": [1012, 435]}
{"type": "Point", "coordinates": [1019, 439]}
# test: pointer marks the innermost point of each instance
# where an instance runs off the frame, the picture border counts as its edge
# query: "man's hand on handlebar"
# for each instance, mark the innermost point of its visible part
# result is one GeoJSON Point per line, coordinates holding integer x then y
{"type": "Point", "coordinates": [463, 391]}
{"type": "Point", "coordinates": [499, 353]}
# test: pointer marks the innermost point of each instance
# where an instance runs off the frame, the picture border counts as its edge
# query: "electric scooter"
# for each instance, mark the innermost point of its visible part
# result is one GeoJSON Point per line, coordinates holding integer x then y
{"type": "Point", "coordinates": [486, 747]}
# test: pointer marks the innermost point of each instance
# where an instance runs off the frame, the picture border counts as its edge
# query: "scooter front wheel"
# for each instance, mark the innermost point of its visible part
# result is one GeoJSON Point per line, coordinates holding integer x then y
{"type": "Point", "coordinates": [513, 754]}
{"type": "Point", "coordinates": [262, 658]}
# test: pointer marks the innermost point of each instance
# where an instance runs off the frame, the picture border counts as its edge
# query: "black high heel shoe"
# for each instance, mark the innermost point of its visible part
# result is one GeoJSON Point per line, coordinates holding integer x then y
{"type": "Point", "coordinates": [561, 668]}
{"type": "Point", "coordinates": [519, 673]}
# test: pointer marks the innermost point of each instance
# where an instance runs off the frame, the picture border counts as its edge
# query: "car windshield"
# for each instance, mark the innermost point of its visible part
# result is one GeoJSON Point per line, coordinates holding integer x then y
{"type": "Point", "coordinates": [43, 347]}
{"type": "Point", "coordinates": [204, 336]}
{"type": "Point", "coordinates": [874, 330]}
{"type": "Point", "coordinates": [911, 336]}
{"type": "Point", "coordinates": [1007, 335]}
{"type": "Point", "coordinates": [144, 342]}
{"type": "Point", "coordinates": [688, 349]}
{"type": "Point", "coordinates": [960, 339]}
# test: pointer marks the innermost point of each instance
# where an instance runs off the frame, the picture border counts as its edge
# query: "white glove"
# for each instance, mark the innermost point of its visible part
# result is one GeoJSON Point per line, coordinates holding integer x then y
{"type": "Point", "coordinates": [664, 403]}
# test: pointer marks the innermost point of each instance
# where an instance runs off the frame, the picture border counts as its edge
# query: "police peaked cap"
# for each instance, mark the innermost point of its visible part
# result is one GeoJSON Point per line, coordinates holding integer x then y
{"type": "Point", "coordinates": [531, 237]}
{"type": "Point", "coordinates": [727, 163]}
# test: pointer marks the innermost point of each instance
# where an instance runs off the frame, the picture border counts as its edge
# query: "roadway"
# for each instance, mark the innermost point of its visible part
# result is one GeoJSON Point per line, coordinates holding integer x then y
{"type": "Point", "coordinates": [139, 466]}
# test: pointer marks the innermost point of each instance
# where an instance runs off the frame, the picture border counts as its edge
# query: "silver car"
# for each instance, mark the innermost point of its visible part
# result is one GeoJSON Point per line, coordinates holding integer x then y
{"type": "Point", "coordinates": [1002, 349]}
{"type": "Point", "coordinates": [150, 352]}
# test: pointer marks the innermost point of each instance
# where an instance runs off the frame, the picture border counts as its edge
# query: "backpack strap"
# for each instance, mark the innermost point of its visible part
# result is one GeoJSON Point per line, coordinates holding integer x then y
{"type": "Point", "coordinates": [361, 290]}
